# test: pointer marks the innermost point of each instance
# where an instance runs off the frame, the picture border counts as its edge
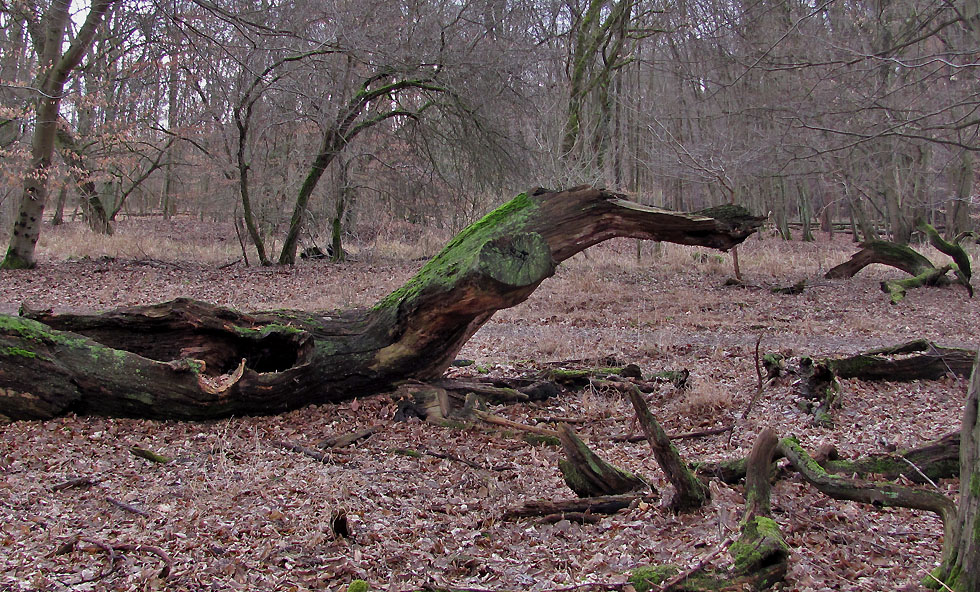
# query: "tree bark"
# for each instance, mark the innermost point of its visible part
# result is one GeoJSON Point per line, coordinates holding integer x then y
{"type": "Point", "coordinates": [960, 569]}
{"type": "Point", "coordinates": [689, 492]}
{"type": "Point", "coordinates": [760, 549]}
{"type": "Point", "coordinates": [587, 474]}
{"type": "Point", "coordinates": [931, 362]}
{"type": "Point", "coordinates": [878, 251]}
{"type": "Point", "coordinates": [56, 67]}
{"type": "Point", "coordinates": [190, 360]}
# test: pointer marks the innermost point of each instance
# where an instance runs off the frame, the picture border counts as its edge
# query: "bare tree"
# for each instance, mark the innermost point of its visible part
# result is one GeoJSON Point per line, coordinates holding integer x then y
{"type": "Point", "coordinates": [55, 68]}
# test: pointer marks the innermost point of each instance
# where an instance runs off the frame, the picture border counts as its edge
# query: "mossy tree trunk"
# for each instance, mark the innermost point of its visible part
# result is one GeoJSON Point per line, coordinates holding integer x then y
{"type": "Point", "coordinates": [191, 360]}
{"type": "Point", "coordinates": [900, 256]}
{"type": "Point", "coordinates": [760, 550]}
{"type": "Point", "coordinates": [960, 569]}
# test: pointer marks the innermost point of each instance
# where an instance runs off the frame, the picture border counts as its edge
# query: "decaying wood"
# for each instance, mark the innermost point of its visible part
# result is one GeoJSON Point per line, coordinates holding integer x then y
{"type": "Point", "coordinates": [938, 459]}
{"type": "Point", "coordinates": [608, 504]}
{"type": "Point", "coordinates": [689, 492]}
{"type": "Point", "coordinates": [915, 360]}
{"type": "Point", "coordinates": [128, 507]}
{"type": "Point", "coordinates": [310, 452]}
{"type": "Point", "coordinates": [73, 483]}
{"type": "Point", "coordinates": [902, 257]}
{"type": "Point", "coordinates": [935, 460]}
{"type": "Point", "coordinates": [149, 455]}
{"type": "Point", "coordinates": [344, 440]}
{"type": "Point", "coordinates": [960, 567]}
{"type": "Point", "coordinates": [513, 425]}
{"type": "Point", "coordinates": [190, 360]}
{"type": "Point", "coordinates": [887, 253]}
{"type": "Point", "coordinates": [760, 551]}
{"type": "Point", "coordinates": [874, 493]}
{"type": "Point", "coordinates": [587, 474]}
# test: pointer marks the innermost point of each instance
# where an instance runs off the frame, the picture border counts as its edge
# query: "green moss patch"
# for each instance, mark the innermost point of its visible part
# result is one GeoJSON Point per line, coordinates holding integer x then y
{"type": "Point", "coordinates": [459, 254]}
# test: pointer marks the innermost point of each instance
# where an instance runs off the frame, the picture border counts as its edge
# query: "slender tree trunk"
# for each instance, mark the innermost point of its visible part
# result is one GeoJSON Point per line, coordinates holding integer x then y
{"type": "Point", "coordinates": [958, 208]}
{"type": "Point", "coordinates": [56, 67]}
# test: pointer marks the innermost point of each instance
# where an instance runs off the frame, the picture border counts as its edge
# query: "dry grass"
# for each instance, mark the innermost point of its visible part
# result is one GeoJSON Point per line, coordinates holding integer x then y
{"type": "Point", "coordinates": [177, 240]}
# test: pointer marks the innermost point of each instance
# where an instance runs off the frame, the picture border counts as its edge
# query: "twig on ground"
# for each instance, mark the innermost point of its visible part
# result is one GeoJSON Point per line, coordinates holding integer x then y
{"type": "Point", "coordinates": [69, 545]}
{"type": "Point", "coordinates": [453, 457]}
{"type": "Point", "coordinates": [919, 471]}
{"type": "Point", "coordinates": [110, 549]}
{"type": "Point", "coordinates": [74, 482]}
{"type": "Point", "coordinates": [698, 566]}
{"type": "Point", "coordinates": [127, 507]}
{"type": "Point", "coordinates": [310, 452]}
{"type": "Point", "coordinates": [152, 550]}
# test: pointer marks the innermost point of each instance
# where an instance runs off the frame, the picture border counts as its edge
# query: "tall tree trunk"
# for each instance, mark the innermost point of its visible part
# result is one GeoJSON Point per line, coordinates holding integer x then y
{"type": "Point", "coordinates": [960, 569]}
{"type": "Point", "coordinates": [56, 67]}
{"type": "Point", "coordinates": [188, 360]}
{"type": "Point", "coordinates": [958, 208]}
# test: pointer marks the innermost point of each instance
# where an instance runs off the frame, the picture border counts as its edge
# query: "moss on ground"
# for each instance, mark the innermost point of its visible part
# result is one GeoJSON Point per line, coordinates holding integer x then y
{"type": "Point", "coordinates": [646, 577]}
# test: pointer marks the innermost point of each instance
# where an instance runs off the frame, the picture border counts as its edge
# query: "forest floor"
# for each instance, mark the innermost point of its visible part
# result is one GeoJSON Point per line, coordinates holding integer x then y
{"type": "Point", "coordinates": [235, 511]}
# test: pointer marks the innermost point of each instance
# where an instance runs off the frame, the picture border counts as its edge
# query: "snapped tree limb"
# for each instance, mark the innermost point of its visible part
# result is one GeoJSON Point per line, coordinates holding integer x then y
{"type": "Point", "coordinates": [190, 360]}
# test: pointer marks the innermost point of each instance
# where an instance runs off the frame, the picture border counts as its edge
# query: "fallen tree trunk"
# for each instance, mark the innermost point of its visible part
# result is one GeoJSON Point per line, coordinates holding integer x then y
{"type": "Point", "coordinates": [587, 474]}
{"type": "Point", "coordinates": [190, 360]}
{"type": "Point", "coordinates": [929, 362]}
{"type": "Point", "coordinates": [902, 257]}
{"type": "Point", "coordinates": [938, 459]}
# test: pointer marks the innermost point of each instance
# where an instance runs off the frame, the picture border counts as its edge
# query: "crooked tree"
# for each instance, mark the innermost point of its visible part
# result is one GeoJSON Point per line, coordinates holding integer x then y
{"type": "Point", "coordinates": [190, 360]}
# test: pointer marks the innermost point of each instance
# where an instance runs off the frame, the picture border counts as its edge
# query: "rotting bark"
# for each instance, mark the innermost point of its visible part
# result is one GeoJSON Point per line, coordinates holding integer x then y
{"type": "Point", "coordinates": [760, 550]}
{"type": "Point", "coordinates": [894, 255]}
{"type": "Point", "coordinates": [689, 492]}
{"type": "Point", "coordinates": [607, 504]}
{"type": "Point", "coordinates": [876, 494]}
{"type": "Point", "coordinates": [191, 360]}
{"type": "Point", "coordinates": [938, 459]}
{"type": "Point", "coordinates": [902, 257]}
{"type": "Point", "coordinates": [587, 474]}
{"type": "Point", "coordinates": [897, 363]}
{"type": "Point", "coordinates": [960, 568]}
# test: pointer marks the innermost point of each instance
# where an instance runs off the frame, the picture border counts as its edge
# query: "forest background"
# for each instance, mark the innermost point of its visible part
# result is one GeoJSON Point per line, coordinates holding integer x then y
{"type": "Point", "coordinates": [311, 122]}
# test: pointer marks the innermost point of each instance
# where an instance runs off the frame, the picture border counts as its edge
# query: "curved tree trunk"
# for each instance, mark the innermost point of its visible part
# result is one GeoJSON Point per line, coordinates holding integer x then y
{"type": "Point", "coordinates": [190, 360]}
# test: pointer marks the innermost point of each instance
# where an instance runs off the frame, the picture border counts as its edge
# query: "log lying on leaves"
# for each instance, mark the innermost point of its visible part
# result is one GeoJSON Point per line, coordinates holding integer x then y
{"type": "Point", "coordinates": [607, 504]}
{"type": "Point", "coordinates": [939, 459]}
{"type": "Point", "coordinates": [902, 257]}
{"type": "Point", "coordinates": [916, 360]}
{"type": "Point", "coordinates": [876, 494]}
{"type": "Point", "coordinates": [934, 460]}
{"type": "Point", "coordinates": [190, 360]}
